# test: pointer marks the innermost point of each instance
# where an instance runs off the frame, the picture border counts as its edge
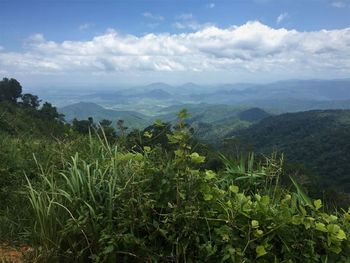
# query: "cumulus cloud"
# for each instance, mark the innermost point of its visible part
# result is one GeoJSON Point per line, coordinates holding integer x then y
{"type": "Point", "coordinates": [249, 48]}
{"type": "Point", "coordinates": [152, 16]}
{"type": "Point", "coordinates": [281, 17]}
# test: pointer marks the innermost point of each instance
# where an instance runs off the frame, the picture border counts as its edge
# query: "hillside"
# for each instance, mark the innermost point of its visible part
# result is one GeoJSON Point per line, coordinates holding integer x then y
{"type": "Point", "coordinates": [28, 121]}
{"type": "Point", "coordinates": [211, 123]}
{"type": "Point", "coordinates": [253, 115]}
{"type": "Point", "coordinates": [320, 140]}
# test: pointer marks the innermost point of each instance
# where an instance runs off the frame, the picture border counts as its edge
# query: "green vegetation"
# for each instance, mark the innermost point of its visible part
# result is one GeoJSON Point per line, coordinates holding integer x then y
{"type": "Point", "coordinates": [319, 140]}
{"type": "Point", "coordinates": [82, 193]}
{"type": "Point", "coordinates": [128, 206]}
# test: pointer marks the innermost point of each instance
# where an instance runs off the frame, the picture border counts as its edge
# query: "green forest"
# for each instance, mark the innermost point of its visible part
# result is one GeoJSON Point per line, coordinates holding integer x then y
{"type": "Point", "coordinates": [85, 191]}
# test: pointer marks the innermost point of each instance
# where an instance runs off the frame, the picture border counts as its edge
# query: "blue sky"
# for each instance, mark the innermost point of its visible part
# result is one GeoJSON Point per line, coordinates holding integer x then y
{"type": "Point", "coordinates": [87, 42]}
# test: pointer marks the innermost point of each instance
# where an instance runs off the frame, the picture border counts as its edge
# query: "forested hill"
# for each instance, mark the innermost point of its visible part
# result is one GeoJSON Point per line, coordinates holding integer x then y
{"type": "Point", "coordinates": [320, 140]}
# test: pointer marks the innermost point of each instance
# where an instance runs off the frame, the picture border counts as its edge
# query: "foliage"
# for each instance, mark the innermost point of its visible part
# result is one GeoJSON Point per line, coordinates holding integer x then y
{"type": "Point", "coordinates": [30, 100]}
{"type": "Point", "coordinates": [50, 112]}
{"type": "Point", "coordinates": [121, 205]}
{"type": "Point", "coordinates": [10, 90]}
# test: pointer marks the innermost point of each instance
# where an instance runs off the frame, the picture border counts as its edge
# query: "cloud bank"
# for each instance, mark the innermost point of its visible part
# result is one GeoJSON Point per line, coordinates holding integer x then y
{"type": "Point", "coordinates": [252, 48]}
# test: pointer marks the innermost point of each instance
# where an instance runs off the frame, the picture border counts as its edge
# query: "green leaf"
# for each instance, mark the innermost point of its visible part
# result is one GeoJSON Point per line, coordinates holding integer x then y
{"type": "Point", "coordinates": [260, 251]}
{"type": "Point", "coordinates": [297, 219]}
{"type": "Point", "coordinates": [321, 227]}
{"type": "Point", "coordinates": [208, 197]}
{"type": "Point", "coordinates": [335, 249]}
{"type": "Point", "coordinates": [301, 194]}
{"type": "Point", "coordinates": [255, 224]}
{"type": "Point", "coordinates": [209, 174]}
{"type": "Point", "coordinates": [196, 158]}
{"type": "Point", "coordinates": [259, 233]}
{"type": "Point", "coordinates": [341, 235]}
{"type": "Point", "coordinates": [331, 218]}
{"type": "Point", "coordinates": [234, 188]}
{"type": "Point", "coordinates": [147, 149]}
{"type": "Point", "coordinates": [265, 200]}
{"type": "Point", "coordinates": [332, 228]}
{"type": "Point", "coordinates": [318, 204]}
{"type": "Point", "coordinates": [179, 153]}
{"type": "Point", "coordinates": [147, 134]}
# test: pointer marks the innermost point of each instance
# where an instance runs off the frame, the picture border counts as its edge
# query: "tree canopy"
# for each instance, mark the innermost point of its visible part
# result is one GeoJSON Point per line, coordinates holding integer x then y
{"type": "Point", "coordinates": [10, 90]}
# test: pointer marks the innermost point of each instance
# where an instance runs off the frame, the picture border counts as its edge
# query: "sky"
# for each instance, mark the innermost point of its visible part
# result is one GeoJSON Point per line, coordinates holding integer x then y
{"type": "Point", "coordinates": [68, 43]}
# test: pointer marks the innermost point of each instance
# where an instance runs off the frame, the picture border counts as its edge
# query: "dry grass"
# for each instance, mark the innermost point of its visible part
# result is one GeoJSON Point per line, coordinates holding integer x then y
{"type": "Point", "coordinates": [10, 254]}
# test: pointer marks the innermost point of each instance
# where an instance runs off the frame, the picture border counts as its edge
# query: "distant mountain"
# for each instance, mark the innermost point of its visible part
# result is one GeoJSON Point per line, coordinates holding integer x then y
{"type": "Point", "coordinates": [320, 140]}
{"type": "Point", "coordinates": [279, 97]}
{"type": "Point", "coordinates": [305, 92]}
{"type": "Point", "coordinates": [319, 89]}
{"type": "Point", "coordinates": [83, 110]}
{"type": "Point", "coordinates": [157, 94]}
{"type": "Point", "coordinates": [283, 105]}
{"type": "Point", "coordinates": [157, 86]}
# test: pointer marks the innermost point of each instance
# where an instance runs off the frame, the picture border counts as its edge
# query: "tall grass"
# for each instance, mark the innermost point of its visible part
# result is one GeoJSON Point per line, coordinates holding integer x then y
{"type": "Point", "coordinates": [74, 207]}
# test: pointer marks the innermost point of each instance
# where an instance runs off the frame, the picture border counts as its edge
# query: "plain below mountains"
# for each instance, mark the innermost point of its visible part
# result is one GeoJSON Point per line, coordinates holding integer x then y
{"type": "Point", "coordinates": [84, 110]}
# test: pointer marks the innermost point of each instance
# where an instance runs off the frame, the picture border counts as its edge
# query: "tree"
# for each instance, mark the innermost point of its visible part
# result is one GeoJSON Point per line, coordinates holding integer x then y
{"type": "Point", "coordinates": [29, 100]}
{"type": "Point", "coordinates": [121, 127]}
{"type": "Point", "coordinates": [10, 90]}
{"type": "Point", "coordinates": [105, 123]}
{"type": "Point", "coordinates": [50, 112]}
{"type": "Point", "coordinates": [83, 126]}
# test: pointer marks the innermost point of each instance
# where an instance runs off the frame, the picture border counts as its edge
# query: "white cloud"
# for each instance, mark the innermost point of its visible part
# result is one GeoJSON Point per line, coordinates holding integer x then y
{"type": "Point", "coordinates": [188, 21]}
{"type": "Point", "coordinates": [185, 16]}
{"type": "Point", "coordinates": [339, 4]}
{"type": "Point", "coordinates": [281, 17]}
{"type": "Point", "coordinates": [210, 5]}
{"type": "Point", "coordinates": [152, 16]}
{"type": "Point", "coordinates": [85, 26]}
{"type": "Point", "coordinates": [252, 48]}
